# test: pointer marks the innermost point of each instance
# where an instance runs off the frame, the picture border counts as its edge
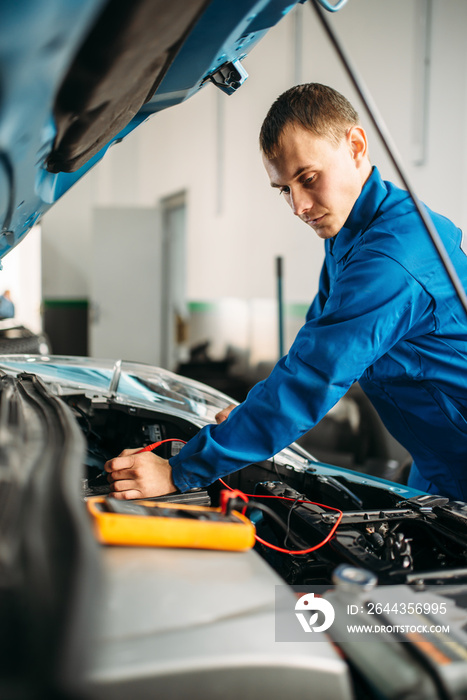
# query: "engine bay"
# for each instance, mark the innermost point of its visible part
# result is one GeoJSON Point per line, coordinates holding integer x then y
{"type": "Point", "coordinates": [422, 539]}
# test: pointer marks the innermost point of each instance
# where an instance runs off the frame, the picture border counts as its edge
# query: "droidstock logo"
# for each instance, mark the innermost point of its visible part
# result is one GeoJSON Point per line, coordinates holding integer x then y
{"type": "Point", "coordinates": [309, 603]}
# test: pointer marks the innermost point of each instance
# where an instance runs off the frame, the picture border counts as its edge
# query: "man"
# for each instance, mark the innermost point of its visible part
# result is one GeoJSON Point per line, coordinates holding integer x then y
{"type": "Point", "coordinates": [7, 308]}
{"type": "Point", "coordinates": [385, 315]}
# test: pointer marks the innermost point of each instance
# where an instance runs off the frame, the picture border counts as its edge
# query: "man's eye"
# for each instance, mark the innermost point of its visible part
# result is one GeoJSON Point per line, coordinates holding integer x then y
{"type": "Point", "coordinates": [284, 190]}
{"type": "Point", "coordinates": [309, 180]}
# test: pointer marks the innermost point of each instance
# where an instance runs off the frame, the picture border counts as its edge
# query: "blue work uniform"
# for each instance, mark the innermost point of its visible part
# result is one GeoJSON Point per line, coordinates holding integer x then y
{"type": "Point", "coordinates": [386, 315]}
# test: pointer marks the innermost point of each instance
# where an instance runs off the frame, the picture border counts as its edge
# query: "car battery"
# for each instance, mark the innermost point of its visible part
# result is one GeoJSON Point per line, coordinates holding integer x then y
{"type": "Point", "coordinates": [404, 642]}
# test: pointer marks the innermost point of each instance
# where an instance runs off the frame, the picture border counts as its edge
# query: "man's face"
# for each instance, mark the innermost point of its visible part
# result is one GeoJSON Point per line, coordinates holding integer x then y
{"type": "Point", "coordinates": [319, 180]}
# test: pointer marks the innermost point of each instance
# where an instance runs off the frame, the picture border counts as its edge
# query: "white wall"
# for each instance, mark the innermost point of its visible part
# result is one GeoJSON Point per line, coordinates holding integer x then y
{"type": "Point", "coordinates": [21, 275]}
{"type": "Point", "coordinates": [208, 146]}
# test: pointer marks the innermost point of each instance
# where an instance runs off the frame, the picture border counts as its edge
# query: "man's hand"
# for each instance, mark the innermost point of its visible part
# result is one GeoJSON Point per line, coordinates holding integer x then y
{"type": "Point", "coordinates": [224, 414]}
{"type": "Point", "coordinates": [135, 474]}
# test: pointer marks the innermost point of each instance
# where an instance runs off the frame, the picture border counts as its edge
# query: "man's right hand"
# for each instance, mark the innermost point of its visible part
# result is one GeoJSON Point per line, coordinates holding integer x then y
{"type": "Point", "coordinates": [224, 414]}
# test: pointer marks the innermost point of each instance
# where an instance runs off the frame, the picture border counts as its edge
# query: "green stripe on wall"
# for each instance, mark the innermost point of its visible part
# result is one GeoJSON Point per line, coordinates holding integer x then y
{"type": "Point", "coordinates": [295, 310]}
{"type": "Point", "coordinates": [64, 303]}
{"type": "Point", "coordinates": [200, 306]}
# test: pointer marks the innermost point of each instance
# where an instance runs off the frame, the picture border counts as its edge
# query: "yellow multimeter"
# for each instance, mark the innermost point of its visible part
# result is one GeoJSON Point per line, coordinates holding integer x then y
{"type": "Point", "coordinates": [158, 524]}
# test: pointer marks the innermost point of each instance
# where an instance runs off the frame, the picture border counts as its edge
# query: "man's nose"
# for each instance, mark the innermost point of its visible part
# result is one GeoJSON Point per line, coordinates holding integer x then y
{"type": "Point", "coordinates": [300, 201]}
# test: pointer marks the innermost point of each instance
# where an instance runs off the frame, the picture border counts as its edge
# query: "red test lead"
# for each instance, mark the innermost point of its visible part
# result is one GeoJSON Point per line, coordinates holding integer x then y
{"type": "Point", "coordinates": [150, 448]}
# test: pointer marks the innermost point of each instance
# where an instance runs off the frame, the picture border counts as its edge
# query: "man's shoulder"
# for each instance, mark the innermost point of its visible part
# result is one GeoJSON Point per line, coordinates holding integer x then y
{"type": "Point", "coordinates": [399, 217]}
{"type": "Point", "coordinates": [399, 235]}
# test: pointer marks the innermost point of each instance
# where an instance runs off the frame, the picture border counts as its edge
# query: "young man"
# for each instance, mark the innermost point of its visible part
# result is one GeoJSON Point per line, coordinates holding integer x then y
{"type": "Point", "coordinates": [385, 315]}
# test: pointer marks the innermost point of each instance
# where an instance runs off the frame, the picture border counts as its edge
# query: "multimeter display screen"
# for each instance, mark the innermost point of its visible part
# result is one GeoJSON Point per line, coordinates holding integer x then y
{"type": "Point", "coordinates": [111, 505]}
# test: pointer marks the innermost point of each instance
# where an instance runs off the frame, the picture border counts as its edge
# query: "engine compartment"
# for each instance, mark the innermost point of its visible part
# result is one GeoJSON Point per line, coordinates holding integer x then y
{"type": "Point", "coordinates": [415, 540]}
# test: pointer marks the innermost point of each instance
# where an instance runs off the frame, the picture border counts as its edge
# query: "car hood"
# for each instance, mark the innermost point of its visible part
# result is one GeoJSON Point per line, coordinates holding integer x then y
{"type": "Point", "coordinates": [78, 77]}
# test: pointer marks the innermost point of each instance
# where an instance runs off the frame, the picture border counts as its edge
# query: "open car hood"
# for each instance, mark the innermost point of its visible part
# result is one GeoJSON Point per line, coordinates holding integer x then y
{"type": "Point", "coordinates": [77, 77]}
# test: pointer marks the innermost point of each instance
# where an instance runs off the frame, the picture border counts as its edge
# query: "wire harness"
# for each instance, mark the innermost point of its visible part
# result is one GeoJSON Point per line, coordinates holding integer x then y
{"type": "Point", "coordinates": [233, 498]}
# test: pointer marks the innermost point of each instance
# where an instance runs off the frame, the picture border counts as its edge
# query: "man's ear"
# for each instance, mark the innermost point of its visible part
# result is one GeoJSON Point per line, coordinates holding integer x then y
{"type": "Point", "coordinates": [358, 142]}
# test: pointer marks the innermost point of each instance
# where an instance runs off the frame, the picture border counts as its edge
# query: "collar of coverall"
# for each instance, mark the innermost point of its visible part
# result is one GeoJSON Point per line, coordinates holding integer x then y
{"type": "Point", "coordinates": [363, 212]}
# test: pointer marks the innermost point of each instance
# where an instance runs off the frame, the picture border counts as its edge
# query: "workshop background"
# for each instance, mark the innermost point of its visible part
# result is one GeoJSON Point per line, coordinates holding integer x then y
{"type": "Point", "coordinates": [166, 251]}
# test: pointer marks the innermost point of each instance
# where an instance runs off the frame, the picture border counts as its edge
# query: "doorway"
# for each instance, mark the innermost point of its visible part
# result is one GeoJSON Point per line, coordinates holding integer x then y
{"type": "Point", "coordinates": [174, 317]}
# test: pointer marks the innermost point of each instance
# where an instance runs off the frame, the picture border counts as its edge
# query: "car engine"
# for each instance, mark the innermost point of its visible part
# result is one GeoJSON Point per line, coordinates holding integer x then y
{"type": "Point", "coordinates": [400, 540]}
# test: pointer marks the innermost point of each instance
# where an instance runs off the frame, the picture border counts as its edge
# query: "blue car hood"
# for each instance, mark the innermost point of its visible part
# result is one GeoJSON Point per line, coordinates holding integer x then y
{"type": "Point", "coordinates": [79, 76]}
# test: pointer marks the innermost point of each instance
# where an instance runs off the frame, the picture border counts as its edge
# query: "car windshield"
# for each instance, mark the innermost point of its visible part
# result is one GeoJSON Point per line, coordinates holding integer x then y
{"type": "Point", "coordinates": [66, 372]}
{"type": "Point", "coordinates": [125, 382]}
{"type": "Point", "coordinates": [157, 386]}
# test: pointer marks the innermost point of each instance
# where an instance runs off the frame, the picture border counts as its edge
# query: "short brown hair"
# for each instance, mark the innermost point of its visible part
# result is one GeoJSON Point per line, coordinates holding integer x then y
{"type": "Point", "coordinates": [319, 108]}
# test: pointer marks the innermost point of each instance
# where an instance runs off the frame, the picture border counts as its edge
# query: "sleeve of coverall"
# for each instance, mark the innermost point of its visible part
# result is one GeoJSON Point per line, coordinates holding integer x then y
{"type": "Point", "coordinates": [317, 305]}
{"type": "Point", "coordinates": [373, 305]}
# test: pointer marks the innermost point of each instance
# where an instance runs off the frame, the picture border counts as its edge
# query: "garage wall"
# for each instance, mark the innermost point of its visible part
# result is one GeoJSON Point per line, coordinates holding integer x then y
{"type": "Point", "coordinates": [208, 147]}
{"type": "Point", "coordinates": [21, 276]}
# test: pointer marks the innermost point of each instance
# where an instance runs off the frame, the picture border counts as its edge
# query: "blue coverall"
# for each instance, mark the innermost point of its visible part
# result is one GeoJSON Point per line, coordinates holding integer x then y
{"type": "Point", "coordinates": [386, 315]}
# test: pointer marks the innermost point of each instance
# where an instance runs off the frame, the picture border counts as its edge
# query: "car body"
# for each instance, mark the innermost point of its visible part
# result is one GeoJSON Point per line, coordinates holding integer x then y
{"type": "Point", "coordinates": [118, 620]}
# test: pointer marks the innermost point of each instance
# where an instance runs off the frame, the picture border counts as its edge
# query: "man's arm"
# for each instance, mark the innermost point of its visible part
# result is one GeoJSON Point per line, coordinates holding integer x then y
{"type": "Point", "coordinates": [369, 310]}
{"type": "Point", "coordinates": [371, 307]}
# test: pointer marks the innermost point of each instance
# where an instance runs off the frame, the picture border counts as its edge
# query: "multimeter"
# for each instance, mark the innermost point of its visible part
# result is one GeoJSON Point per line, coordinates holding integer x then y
{"type": "Point", "coordinates": [155, 524]}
